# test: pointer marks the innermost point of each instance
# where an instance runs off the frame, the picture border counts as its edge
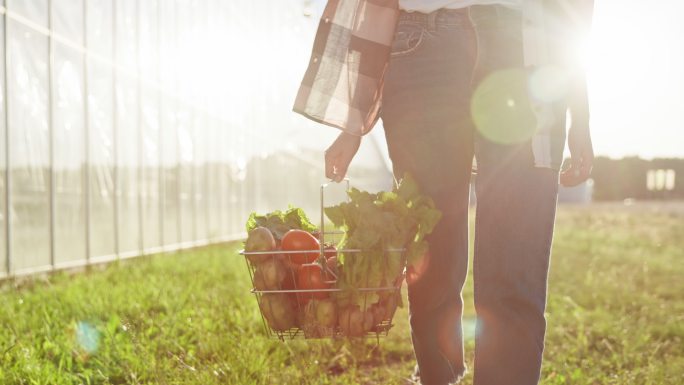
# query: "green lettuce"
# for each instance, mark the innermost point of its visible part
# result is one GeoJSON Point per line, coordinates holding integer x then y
{"type": "Point", "coordinates": [377, 223]}
{"type": "Point", "coordinates": [280, 222]}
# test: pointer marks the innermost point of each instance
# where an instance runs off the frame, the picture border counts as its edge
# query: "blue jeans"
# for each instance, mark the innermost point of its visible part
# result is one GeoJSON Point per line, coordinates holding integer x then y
{"type": "Point", "coordinates": [437, 61]}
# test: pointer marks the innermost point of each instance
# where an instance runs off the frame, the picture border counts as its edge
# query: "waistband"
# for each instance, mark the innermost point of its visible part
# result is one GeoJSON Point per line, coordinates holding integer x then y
{"type": "Point", "coordinates": [440, 16]}
{"type": "Point", "coordinates": [461, 16]}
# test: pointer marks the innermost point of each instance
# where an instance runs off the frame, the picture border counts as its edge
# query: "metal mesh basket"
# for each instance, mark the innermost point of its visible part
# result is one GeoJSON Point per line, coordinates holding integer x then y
{"type": "Point", "coordinates": [289, 311]}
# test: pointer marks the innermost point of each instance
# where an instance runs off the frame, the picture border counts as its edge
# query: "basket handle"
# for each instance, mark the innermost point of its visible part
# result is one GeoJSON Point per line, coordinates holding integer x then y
{"type": "Point", "coordinates": [321, 235]}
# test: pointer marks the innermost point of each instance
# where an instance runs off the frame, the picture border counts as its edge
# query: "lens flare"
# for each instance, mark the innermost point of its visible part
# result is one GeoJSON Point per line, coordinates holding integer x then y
{"type": "Point", "coordinates": [87, 337]}
{"type": "Point", "coordinates": [449, 337]}
{"type": "Point", "coordinates": [469, 328]}
{"type": "Point", "coordinates": [548, 84]}
{"type": "Point", "coordinates": [501, 107]}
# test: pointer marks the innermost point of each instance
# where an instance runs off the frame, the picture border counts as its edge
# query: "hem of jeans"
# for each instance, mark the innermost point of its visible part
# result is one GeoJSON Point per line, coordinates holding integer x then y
{"type": "Point", "coordinates": [459, 377]}
{"type": "Point", "coordinates": [452, 381]}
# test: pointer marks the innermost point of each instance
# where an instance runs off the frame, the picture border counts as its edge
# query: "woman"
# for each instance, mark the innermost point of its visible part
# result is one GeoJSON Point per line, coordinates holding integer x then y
{"type": "Point", "coordinates": [455, 80]}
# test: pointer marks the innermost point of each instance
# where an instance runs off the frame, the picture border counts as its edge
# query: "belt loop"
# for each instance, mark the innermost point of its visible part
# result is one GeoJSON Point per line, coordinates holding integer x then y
{"type": "Point", "coordinates": [432, 21]}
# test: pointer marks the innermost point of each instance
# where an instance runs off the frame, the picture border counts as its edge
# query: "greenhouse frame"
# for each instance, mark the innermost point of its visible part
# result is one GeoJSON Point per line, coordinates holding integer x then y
{"type": "Point", "coordinates": [120, 137]}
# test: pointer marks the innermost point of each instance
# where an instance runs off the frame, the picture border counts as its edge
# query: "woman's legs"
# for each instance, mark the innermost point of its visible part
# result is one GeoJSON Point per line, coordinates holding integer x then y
{"type": "Point", "coordinates": [427, 118]}
{"type": "Point", "coordinates": [516, 205]}
{"type": "Point", "coordinates": [427, 126]}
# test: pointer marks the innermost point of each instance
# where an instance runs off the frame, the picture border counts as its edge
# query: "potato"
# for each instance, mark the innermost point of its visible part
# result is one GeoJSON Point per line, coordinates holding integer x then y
{"type": "Point", "coordinates": [320, 318]}
{"type": "Point", "coordinates": [279, 311]}
{"type": "Point", "coordinates": [259, 239]}
{"type": "Point", "coordinates": [326, 313]}
{"type": "Point", "coordinates": [354, 322]}
{"type": "Point", "coordinates": [269, 274]}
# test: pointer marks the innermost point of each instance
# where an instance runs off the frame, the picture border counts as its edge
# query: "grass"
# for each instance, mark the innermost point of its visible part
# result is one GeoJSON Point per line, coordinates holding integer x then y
{"type": "Point", "coordinates": [615, 315]}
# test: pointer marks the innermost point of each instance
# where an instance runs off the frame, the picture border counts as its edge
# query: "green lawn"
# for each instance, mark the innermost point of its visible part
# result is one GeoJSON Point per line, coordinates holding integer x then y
{"type": "Point", "coordinates": [615, 315]}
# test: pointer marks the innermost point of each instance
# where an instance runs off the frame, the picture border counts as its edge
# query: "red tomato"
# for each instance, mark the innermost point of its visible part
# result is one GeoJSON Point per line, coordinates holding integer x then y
{"type": "Point", "coordinates": [295, 240]}
{"type": "Point", "coordinates": [310, 277]}
{"type": "Point", "coordinates": [290, 280]}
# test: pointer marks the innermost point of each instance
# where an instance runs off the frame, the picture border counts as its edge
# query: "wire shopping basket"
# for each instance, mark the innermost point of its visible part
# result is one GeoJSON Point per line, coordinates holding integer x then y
{"type": "Point", "coordinates": [298, 294]}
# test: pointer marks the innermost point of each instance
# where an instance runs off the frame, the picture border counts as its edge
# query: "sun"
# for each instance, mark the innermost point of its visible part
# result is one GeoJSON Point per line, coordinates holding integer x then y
{"type": "Point", "coordinates": [634, 58]}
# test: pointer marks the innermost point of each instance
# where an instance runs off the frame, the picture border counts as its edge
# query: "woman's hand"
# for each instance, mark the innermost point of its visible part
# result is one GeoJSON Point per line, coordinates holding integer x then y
{"type": "Point", "coordinates": [579, 137]}
{"type": "Point", "coordinates": [339, 155]}
{"type": "Point", "coordinates": [581, 157]}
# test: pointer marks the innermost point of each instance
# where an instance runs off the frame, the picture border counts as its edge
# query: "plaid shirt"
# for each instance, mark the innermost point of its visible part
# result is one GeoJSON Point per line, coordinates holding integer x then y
{"type": "Point", "coordinates": [342, 86]}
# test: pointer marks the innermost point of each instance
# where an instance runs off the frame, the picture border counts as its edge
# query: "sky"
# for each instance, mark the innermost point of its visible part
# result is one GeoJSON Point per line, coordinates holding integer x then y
{"type": "Point", "coordinates": [636, 78]}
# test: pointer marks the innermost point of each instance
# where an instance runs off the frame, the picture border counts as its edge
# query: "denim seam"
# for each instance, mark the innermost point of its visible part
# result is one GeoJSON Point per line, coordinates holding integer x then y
{"type": "Point", "coordinates": [410, 50]}
{"type": "Point", "coordinates": [476, 62]}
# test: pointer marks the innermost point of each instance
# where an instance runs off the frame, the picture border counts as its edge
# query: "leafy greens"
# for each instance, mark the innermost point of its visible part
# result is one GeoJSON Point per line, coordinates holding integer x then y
{"type": "Point", "coordinates": [280, 222]}
{"type": "Point", "coordinates": [376, 224]}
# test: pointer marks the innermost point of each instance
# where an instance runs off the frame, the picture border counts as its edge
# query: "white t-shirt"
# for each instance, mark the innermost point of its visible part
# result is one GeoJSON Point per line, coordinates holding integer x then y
{"type": "Point", "coordinates": [427, 6]}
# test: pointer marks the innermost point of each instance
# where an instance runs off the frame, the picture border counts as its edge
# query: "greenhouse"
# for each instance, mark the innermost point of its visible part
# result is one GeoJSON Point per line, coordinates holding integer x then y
{"type": "Point", "coordinates": [134, 127]}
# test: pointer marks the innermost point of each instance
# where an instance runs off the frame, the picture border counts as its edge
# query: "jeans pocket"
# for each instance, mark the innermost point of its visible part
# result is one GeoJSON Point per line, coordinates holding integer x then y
{"type": "Point", "coordinates": [407, 39]}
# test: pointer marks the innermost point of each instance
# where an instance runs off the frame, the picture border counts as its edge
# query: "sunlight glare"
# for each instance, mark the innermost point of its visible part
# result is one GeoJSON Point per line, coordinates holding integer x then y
{"type": "Point", "coordinates": [469, 328]}
{"type": "Point", "coordinates": [501, 109]}
{"type": "Point", "coordinates": [549, 84]}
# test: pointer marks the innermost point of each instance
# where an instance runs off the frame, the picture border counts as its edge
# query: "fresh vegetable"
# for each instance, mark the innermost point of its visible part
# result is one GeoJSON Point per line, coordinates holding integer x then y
{"type": "Point", "coordinates": [259, 239]}
{"type": "Point", "coordinates": [269, 274]}
{"type": "Point", "coordinates": [279, 222]}
{"type": "Point", "coordinates": [385, 308]}
{"type": "Point", "coordinates": [326, 313]}
{"type": "Point", "coordinates": [295, 240]}
{"type": "Point", "coordinates": [377, 224]}
{"type": "Point", "coordinates": [320, 318]}
{"type": "Point", "coordinates": [354, 322]}
{"type": "Point", "coordinates": [311, 277]}
{"type": "Point", "coordinates": [290, 280]}
{"type": "Point", "coordinates": [279, 311]}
